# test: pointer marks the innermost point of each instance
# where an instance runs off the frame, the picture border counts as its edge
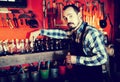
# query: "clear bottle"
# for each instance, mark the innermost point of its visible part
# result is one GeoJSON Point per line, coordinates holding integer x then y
{"type": "Point", "coordinates": [17, 46]}
{"type": "Point", "coordinates": [12, 47]}
{"type": "Point", "coordinates": [27, 46]}
{"type": "Point", "coordinates": [32, 44]}
{"type": "Point", "coordinates": [22, 46]}
{"type": "Point", "coordinates": [1, 48]}
{"type": "Point", "coordinates": [5, 47]}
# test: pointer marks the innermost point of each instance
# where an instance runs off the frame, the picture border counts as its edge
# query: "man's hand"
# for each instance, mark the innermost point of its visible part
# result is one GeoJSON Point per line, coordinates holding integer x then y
{"type": "Point", "coordinates": [68, 61]}
{"type": "Point", "coordinates": [34, 35]}
{"type": "Point", "coordinates": [70, 58]}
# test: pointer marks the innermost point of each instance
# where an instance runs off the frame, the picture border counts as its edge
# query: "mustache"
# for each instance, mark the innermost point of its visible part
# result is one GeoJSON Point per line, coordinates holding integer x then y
{"type": "Point", "coordinates": [70, 23]}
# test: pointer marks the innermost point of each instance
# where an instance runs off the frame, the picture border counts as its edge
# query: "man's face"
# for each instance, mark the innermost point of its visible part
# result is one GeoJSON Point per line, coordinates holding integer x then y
{"type": "Point", "coordinates": [71, 17]}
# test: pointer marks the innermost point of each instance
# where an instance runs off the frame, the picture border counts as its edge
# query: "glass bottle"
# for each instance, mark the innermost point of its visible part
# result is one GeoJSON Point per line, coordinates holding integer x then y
{"type": "Point", "coordinates": [1, 48]}
{"type": "Point", "coordinates": [5, 47]}
{"type": "Point", "coordinates": [22, 46]}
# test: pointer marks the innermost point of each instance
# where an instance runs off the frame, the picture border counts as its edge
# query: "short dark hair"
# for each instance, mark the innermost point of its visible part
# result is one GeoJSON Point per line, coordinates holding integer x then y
{"type": "Point", "coordinates": [76, 9]}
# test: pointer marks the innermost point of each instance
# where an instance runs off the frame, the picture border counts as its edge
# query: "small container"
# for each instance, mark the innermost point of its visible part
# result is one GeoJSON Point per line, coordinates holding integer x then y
{"type": "Point", "coordinates": [13, 78]}
{"type": "Point", "coordinates": [62, 70]}
{"type": "Point", "coordinates": [44, 73]}
{"type": "Point", "coordinates": [23, 77]}
{"type": "Point", "coordinates": [54, 72]}
{"type": "Point", "coordinates": [34, 76]}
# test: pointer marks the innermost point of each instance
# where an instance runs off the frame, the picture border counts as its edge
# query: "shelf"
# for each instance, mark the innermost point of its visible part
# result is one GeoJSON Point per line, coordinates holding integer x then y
{"type": "Point", "coordinates": [18, 59]}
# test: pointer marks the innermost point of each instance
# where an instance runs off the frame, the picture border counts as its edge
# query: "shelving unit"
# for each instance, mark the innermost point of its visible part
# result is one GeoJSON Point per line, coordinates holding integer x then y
{"type": "Point", "coordinates": [18, 59]}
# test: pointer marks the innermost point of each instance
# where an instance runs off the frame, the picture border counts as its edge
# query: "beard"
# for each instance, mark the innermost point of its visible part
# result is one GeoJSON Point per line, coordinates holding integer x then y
{"type": "Point", "coordinates": [70, 26]}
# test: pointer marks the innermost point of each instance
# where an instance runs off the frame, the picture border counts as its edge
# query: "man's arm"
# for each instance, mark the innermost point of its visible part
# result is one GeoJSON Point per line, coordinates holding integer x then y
{"type": "Point", "coordinates": [53, 33]}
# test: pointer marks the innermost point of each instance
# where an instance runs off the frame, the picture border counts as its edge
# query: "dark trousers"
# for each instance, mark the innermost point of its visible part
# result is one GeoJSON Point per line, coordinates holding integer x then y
{"type": "Point", "coordinates": [85, 74]}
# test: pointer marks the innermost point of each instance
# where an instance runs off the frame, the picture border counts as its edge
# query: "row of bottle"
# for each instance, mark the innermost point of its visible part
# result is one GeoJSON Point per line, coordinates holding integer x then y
{"type": "Point", "coordinates": [26, 46]}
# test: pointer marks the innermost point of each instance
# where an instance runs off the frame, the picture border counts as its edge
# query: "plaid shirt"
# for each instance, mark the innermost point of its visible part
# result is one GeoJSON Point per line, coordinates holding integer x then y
{"type": "Point", "coordinates": [93, 43]}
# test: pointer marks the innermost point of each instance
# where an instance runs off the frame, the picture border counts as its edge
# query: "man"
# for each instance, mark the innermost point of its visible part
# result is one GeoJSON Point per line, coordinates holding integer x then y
{"type": "Point", "coordinates": [87, 50]}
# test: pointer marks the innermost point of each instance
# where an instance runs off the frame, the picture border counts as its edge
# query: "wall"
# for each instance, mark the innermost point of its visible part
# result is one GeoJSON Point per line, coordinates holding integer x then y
{"type": "Point", "coordinates": [37, 7]}
{"type": "Point", "coordinates": [21, 32]}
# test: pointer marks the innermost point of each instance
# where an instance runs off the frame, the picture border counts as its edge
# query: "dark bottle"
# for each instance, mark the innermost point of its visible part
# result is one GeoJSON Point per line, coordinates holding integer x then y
{"type": "Point", "coordinates": [36, 47]}
{"type": "Point", "coordinates": [22, 46]}
{"type": "Point", "coordinates": [47, 47]}
{"type": "Point", "coordinates": [42, 45]}
{"type": "Point", "coordinates": [51, 44]}
{"type": "Point", "coordinates": [39, 44]}
{"type": "Point", "coordinates": [60, 44]}
{"type": "Point", "coordinates": [13, 70]}
{"type": "Point", "coordinates": [66, 43]}
{"type": "Point", "coordinates": [43, 65]}
{"type": "Point", "coordinates": [54, 64]}
{"type": "Point", "coordinates": [39, 63]}
{"type": "Point", "coordinates": [33, 67]}
{"type": "Point", "coordinates": [56, 44]}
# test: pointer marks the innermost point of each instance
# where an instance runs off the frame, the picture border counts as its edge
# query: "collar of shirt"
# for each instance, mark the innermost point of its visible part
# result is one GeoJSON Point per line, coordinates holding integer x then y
{"type": "Point", "coordinates": [81, 27]}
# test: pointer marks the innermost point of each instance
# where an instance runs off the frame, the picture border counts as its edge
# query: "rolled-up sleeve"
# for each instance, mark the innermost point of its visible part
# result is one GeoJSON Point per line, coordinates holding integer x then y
{"type": "Point", "coordinates": [54, 33]}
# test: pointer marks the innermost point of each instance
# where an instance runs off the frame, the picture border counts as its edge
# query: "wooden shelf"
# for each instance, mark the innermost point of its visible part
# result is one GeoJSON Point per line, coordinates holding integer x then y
{"type": "Point", "coordinates": [18, 59]}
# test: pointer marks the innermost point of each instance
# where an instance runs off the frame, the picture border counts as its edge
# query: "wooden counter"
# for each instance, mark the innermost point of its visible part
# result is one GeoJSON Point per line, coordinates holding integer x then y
{"type": "Point", "coordinates": [18, 59]}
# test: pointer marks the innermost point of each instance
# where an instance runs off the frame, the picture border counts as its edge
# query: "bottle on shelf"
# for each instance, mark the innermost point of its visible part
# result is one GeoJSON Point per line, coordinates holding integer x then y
{"type": "Point", "coordinates": [27, 46]}
{"type": "Point", "coordinates": [17, 46]}
{"type": "Point", "coordinates": [47, 44]}
{"type": "Point", "coordinates": [12, 47]}
{"type": "Point", "coordinates": [56, 44]}
{"type": "Point", "coordinates": [5, 47]}
{"type": "Point", "coordinates": [42, 45]}
{"type": "Point", "coordinates": [51, 44]}
{"type": "Point", "coordinates": [32, 44]}
{"type": "Point", "coordinates": [36, 47]}
{"type": "Point", "coordinates": [22, 46]}
{"type": "Point", "coordinates": [1, 48]}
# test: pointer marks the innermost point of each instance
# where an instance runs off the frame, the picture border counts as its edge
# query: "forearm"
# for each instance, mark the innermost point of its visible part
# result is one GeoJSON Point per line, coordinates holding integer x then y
{"type": "Point", "coordinates": [89, 61]}
{"type": "Point", "coordinates": [54, 33]}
